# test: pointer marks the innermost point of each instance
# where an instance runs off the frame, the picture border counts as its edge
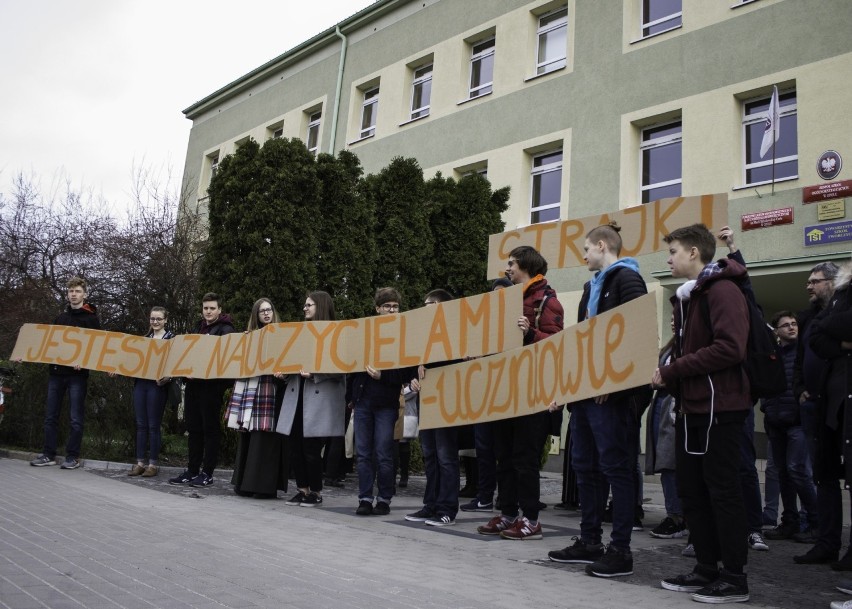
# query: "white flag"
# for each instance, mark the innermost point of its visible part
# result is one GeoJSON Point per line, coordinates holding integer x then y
{"type": "Point", "coordinates": [772, 130]}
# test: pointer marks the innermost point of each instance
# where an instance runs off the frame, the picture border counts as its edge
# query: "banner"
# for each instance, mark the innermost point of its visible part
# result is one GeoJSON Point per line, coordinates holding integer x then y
{"type": "Point", "coordinates": [643, 229]}
{"type": "Point", "coordinates": [610, 352]}
{"type": "Point", "coordinates": [466, 327]}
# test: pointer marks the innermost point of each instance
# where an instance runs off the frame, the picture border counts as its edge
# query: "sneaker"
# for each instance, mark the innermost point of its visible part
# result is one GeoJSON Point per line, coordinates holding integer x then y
{"type": "Point", "coordinates": [202, 479]}
{"type": "Point", "coordinates": [296, 499]}
{"type": "Point", "coordinates": [136, 470]}
{"type": "Point", "coordinates": [781, 532]}
{"type": "Point", "coordinates": [522, 530]}
{"type": "Point", "coordinates": [669, 529]}
{"type": "Point", "coordinates": [184, 478]}
{"type": "Point", "coordinates": [403, 482]}
{"type": "Point", "coordinates": [616, 562]}
{"type": "Point", "coordinates": [809, 535]}
{"type": "Point", "coordinates": [688, 551]}
{"type": "Point", "coordinates": [693, 581]}
{"type": "Point", "coordinates": [443, 521]}
{"type": "Point", "coordinates": [475, 505]}
{"type": "Point", "coordinates": [382, 508]}
{"type": "Point", "coordinates": [496, 525]}
{"type": "Point", "coordinates": [421, 515]}
{"type": "Point", "coordinates": [70, 463]}
{"type": "Point", "coordinates": [365, 508]}
{"type": "Point", "coordinates": [817, 555]}
{"type": "Point", "coordinates": [311, 500]}
{"type": "Point", "coordinates": [729, 588]}
{"type": "Point", "coordinates": [845, 586]}
{"type": "Point", "coordinates": [42, 460]}
{"type": "Point", "coordinates": [581, 553]}
{"type": "Point", "coordinates": [844, 564]}
{"type": "Point", "coordinates": [755, 542]}
{"type": "Point", "coordinates": [637, 524]}
{"type": "Point", "coordinates": [841, 605]}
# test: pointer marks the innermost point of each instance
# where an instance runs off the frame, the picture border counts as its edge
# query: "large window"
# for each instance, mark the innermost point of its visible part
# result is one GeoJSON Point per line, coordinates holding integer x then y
{"type": "Point", "coordinates": [369, 110]}
{"type": "Point", "coordinates": [312, 139]}
{"type": "Point", "coordinates": [759, 170]}
{"type": "Point", "coordinates": [660, 16]}
{"type": "Point", "coordinates": [214, 164]}
{"type": "Point", "coordinates": [552, 41]}
{"type": "Point", "coordinates": [421, 92]}
{"type": "Point", "coordinates": [546, 197]}
{"type": "Point", "coordinates": [481, 67]}
{"type": "Point", "coordinates": [662, 165]}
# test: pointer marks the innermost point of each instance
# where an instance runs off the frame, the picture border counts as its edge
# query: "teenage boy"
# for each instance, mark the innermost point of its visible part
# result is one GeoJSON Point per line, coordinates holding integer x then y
{"type": "Point", "coordinates": [203, 403]}
{"type": "Point", "coordinates": [713, 397]}
{"type": "Point", "coordinates": [72, 380]}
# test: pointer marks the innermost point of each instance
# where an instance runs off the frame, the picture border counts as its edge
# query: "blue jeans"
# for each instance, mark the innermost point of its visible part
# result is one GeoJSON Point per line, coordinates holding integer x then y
{"type": "Point", "coordinates": [440, 449]}
{"type": "Point", "coordinates": [772, 489]}
{"type": "Point", "coordinates": [483, 437]}
{"type": "Point", "coordinates": [374, 440]}
{"type": "Point", "coordinates": [748, 477]}
{"type": "Point", "coordinates": [603, 449]}
{"type": "Point", "coordinates": [57, 385]}
{"type": "Point", "coordinates": [790, 452]}
{"type": "Point", "coordinates": [668, 480]}
{"type": "Point", "coordinates": [149, 401]}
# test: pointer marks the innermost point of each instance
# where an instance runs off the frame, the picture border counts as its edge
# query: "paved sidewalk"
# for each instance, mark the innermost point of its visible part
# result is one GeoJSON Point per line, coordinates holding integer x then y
{"type": "Point", "coordinates": [96, 538]}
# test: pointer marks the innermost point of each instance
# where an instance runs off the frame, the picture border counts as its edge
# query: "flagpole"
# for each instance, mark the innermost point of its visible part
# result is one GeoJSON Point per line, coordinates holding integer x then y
{"type": "Point", "coordinates": [773, 159]}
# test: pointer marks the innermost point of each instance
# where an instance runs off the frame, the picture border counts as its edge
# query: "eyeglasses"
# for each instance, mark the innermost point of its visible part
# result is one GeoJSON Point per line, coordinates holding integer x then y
{"type": "Point", "coordinates": [390, 307]}
{"type": "Point", "coordinates": [811, 282]}
{"type": "Point", "coordinates": [788, 325]}
{"type": "Point", "coordinates": [264, 311]}
{"type": "Point", "coordinates": [308, 305]}
{"type": "Point", "coordinates": [156, 319]}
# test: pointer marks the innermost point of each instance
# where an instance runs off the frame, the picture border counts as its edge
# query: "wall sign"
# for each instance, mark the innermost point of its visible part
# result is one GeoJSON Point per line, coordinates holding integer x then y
{"type": "Point", "coordinates": [825, 234]}
{"type": "Point", "coordinates": [764, 219]}
{"type": "Point", "coordinates": [829, 164]}
{"type": "Point", "coordinates": [831, 210]}
{"type": "Point", "coordinates": [825, 192]}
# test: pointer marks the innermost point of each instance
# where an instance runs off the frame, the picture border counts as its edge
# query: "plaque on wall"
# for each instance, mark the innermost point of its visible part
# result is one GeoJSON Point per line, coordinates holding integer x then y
{"type": "Point", "coordinates": [831, 210]}
{"type": "Point", "coordinates": [825, 192]}
{"type": "Point", "coordinates": [826, 234]}
{"type": "Point", "coordinates": [765, 219]}
{"type": "Point", "coordinates": [829, 164]}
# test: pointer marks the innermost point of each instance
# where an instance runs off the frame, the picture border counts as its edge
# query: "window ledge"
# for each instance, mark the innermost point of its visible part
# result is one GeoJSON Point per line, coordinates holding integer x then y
{"type": "Point", "coordinates": [743, 3]}
{"type": "Point", "coordinates": [654, 35]}
{"type": "Point", "coordinates": [361, 139]}
{"type": "Point", "coordinates": [543, 74]}
{"type": "Point", "coordinates": [414, 120]}
{"type": "Point", "coordinates": [470, 99]}
{"type": "Point", "coordinates": [765, 183]}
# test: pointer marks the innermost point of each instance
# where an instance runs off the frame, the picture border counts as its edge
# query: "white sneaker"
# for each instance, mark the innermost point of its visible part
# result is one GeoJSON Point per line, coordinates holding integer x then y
{"type": "Point", "coordinates": [755, 542]}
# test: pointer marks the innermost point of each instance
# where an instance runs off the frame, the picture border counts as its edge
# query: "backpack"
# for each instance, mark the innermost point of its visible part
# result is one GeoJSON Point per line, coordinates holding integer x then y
{"type": "Point", "coordinates": [763, 363]}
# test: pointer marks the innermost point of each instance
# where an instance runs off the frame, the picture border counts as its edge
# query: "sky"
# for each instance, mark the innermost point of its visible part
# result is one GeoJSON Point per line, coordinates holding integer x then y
{"type": "Point", "coordinates": [91, 90]}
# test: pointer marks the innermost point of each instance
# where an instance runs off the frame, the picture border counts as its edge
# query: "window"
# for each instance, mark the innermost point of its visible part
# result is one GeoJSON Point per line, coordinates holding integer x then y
{"type": "Point", "coordinates": [660, 16]}
{"type": "Point", "coordinates": [369, 109]}
{"type": "Point", "coordinates": [546, 196]}
{"type": "Point", "coordinates": [421, 92]}
{"type": "Point", "coordinates": [552, 41]}
{"type": "Point", "coordinates": [759, 170]}
{"type": "Point", "coordinates": [314, 120]}
{"type": "Point", "coordinates": [481, 67]}
{"type": "Point", "coordinates": [214, 164]}
{"type": "Point", "coordinates": [662, 165]}
{"type": "Point", "coordinates": [278, 133]}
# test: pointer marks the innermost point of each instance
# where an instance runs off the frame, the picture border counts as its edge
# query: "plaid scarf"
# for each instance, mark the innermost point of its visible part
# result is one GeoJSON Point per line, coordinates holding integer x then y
{"type": "Point", "coordinates": [253, 404]}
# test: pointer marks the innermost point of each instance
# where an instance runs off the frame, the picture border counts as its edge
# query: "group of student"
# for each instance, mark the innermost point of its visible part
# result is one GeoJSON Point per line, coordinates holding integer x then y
{"type": "Point", "coordinates": [702, 406]}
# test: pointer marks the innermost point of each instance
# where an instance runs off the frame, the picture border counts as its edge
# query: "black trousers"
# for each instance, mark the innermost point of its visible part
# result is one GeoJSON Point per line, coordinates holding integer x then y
{"type": "Point", "coordinates": [518, 445]}
{"type": "Point", "coordinates": [203, 413]}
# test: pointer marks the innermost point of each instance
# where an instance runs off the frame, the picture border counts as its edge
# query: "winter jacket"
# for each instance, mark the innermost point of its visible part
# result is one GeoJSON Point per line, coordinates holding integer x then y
{"type": "Point", "coordinates": [323, 405]}
{"type": "Point", "coordinates": [808, 368]}
{"type": "Point", "coordinates": [783, 411]}
{"type": "Point", "coordinates": [84, 317]}
{"type": "Point", "coordinates": [706, 374]}
{"type": "Point", "coordinates": [222, 326]}
{"type": "Point", "coordinates": [545, 320]}
{"type": "Point", "coordinates": [363, 391]}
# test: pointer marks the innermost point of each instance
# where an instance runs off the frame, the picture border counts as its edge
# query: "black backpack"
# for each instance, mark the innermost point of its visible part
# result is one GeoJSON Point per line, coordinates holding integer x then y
{"type": "Point", "coordinates": [763, 363]}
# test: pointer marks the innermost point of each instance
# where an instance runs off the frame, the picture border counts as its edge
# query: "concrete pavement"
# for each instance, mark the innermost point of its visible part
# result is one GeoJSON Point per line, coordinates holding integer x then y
{"type": "Point", "coordinates": [96, 538]}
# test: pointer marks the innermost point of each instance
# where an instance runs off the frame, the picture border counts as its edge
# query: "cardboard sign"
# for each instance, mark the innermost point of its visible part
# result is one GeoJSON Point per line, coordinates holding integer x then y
{"type": "Point", "coordinates": [467, 327]}
{"type": "Point", "coordinates": [610, 352]}
{"type": "Point", "coordinates": [643, 229]}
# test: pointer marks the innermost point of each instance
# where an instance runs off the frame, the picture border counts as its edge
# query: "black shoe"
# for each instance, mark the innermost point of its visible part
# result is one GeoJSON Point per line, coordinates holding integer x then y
{"type": "Point", "coordinates": [183, 478]}
{"type": "Point", "coordinates": [365, 508]}
{"type": "Point", "coordinates": [381, 509]}
{"type": "Point", "coordinates": [581, 553]}
{"type": "Point", "coordinates": [421, 515]}
{"type": "Point", "coordinates": [785, 530]}
{"type": "Point", "coordinates": [817, 555]}
{"type": "Point", "coordinates": [694, 581]}
{"type": "Point", "coordinates": [729, 588]}
{"type": "Point", "coordinates": [844, 564]}
{"type": "Point", "coordinates": [311, 500]}
{"type": "Point", "coordinates": [296, 499]}
{"type": "Point", "coordinates": [403, 482]}
{"type": "Point", "coordinates": [607, 515]}
{"type": "Point", "coordinates": [616, 562]}
{"type": "Point", "coordinates": [809, 536]}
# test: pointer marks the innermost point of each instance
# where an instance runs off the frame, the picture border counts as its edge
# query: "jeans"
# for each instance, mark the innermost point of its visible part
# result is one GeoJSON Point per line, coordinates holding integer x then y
{"type": "Point", "coordinates": [483, 437]}
{"type": "Point", "coordinates": [149, 402]}
{"type": "Point", "coordinates": [772, 490]}
{"type": "Point", "coordinates": [374, 440]}
{"type": "Point", "coordinates": [667, 476]}
{"type": "Point", "coordinates": [790, 452]}
{"type": "Point", "coordinates": [202, 413]}
{"type": "Point", "coordinates": [748, 477]}
{"type": "Point", "coordinates": [603, 451]}
{"type": "Point", "coordinates": [518, 444]}
{"type": "Point", "coordinates": [829, 496]}
{"type": "Point", "coordinates": [441, 461]}
{"type": "Point", "coordinates": [57, 385]}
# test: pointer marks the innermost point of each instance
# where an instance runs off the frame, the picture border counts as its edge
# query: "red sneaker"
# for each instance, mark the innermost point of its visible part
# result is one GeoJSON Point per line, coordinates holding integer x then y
{"type": "Point", "coordinates": [495, 526]}
{"type": "Point", "coordinates": [521, 530]}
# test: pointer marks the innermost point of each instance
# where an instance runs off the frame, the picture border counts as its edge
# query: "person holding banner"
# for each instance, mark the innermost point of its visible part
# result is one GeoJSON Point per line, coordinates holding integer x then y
{"type": "Point", "coordinates": [518, 441]}
{"type": "Point", "coordinates": [149, 402]}
{"type": "Point", "coordinates": [261, 466]}
{"type": "Point", "coordinates": [72, 380]}
{"type": "Point", "coordinates": [605, 430]}
{"type": "Point", "coordinates": [313, 410]}
{"type": "Point", "coordinates": [203, 403]}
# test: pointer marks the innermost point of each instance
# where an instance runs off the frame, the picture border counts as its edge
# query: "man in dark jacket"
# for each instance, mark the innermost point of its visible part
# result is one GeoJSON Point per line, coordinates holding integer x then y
{"type": "Point", "coordinates": [518, 442]}
{"type": "Point", "coordinates": [713, 397]}
{"type": "Point", "coordinates": [787, 439]}
{"type": "Point", "coordinates": [605, 430]}
{"type": "Point", "coordinates": [69, 379]}
{"type": "Point", "coordinates": [203, 404]}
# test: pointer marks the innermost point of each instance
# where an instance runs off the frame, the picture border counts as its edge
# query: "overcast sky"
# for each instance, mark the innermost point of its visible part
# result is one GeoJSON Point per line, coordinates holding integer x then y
{"type": "Point", "coordinates": [88, 88]}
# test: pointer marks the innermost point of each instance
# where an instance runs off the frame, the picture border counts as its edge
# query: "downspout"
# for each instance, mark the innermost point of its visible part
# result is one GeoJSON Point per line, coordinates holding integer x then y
{"type": "Point", "coordinates": [338, 91]}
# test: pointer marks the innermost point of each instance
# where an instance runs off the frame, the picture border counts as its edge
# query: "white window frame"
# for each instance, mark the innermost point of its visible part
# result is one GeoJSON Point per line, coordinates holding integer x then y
{"type": "Point", "coordinates": [371, 100]}
{"type": "Point", "coordinates": [751, 119]}
{"type": "Point", "coordinates": [476, 57]}
{"type": "Point", "coordinates": [214, 164]}
{"type": "Point", "coordinates": [425, 77]}
{"type": "Point", "coordinates": [543, 67]}
{"type": "Point", "coordinates": [670, 17]}
{"type": "Point", "coordinates": [541, 170]}
{"type": "Point", "coordinates": [314, 122]}
{"type": "Point", "coordinates": [278, 133]}
{"type": "Point", "coordinates": [658, 142]}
